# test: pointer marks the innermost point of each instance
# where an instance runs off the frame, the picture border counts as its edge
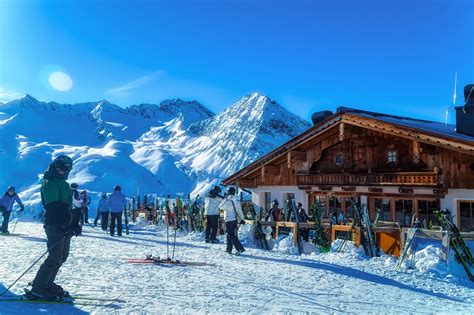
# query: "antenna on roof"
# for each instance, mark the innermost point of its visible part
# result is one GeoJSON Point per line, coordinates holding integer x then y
{"type": "Point", "coordinates": [454, 97]}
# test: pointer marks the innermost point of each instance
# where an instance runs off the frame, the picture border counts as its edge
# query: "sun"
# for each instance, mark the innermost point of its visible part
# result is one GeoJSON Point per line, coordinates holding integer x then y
{"type": "Point", "coordinates": [60, 81]}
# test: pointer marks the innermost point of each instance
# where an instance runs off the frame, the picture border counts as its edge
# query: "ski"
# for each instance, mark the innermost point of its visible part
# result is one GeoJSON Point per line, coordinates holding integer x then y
{"type": "Point", "coordinates": [320, 237]}
{"type": "Point", "coordinates": [462, 252]}
{"type": "Point", "coordinates": [409, 245]}
{"type": "Point", "coordinates": [292, 209]}
{"type": "Point", "coordinates": [260, 236]}
{"type": "Point", "coordinates": [67, 301]}
{"type": "Point", "coordinates": [161, 261]}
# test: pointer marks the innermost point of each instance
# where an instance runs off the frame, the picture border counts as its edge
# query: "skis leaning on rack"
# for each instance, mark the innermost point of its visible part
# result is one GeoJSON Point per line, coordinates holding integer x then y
{"type": "Point", "coordinates": [462, 252]}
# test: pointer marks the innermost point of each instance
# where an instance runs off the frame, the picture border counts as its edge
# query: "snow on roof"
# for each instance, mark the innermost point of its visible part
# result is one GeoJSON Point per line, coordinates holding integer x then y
{"type": "Point", "coordinates": [447, 130]}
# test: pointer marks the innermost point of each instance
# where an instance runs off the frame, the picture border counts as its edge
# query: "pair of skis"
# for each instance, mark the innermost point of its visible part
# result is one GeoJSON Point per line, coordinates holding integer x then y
{"type": "Point", "coordinates": [82, 300]}
{"type": "Point", "coordinates": [367, 234]}
{"type": "Point", "coordinates": [320, 238]}
{"type": "Point", "coordinates": [165, 261]}
{"type": "Point", "coordinates": [462, 252]}
{"type": "Point", "coordinates": [260, 236]}
{"type": "Point", "coordinates": [293, 210]}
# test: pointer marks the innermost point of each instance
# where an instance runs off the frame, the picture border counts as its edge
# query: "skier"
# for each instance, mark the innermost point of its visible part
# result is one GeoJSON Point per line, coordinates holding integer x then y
{"type": "Point", "coordinates": [232, 214]}
{"type": "Point", "coordinates": [303, 218]}
{"type": "Point", "coordinates": [6, 206]}
{"type": "Point", "coordinates": [56, 197]}
{"type": "Point", "coordinates": [212, 211]}
{"type": "Point", "coordinates": [86, 200]}
{"type": "Point", "coordinates": [103, 211]}
{"type": "Point", "coordinates": [275, 214]}
{"type": "Point", "coordinates": [116, 204]}
{"type": "Point", "coordinates": [76, 205]}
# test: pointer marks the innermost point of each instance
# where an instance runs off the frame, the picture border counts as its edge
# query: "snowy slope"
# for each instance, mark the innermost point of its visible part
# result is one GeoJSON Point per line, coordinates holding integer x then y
{"type": "Point", "coordinates": [258, 282]}
{"type": "Point", "coordinates": [176, 146]}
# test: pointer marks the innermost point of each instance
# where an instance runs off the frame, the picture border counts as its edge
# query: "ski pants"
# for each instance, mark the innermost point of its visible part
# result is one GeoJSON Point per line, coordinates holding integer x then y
{"type": "Point", "coordinates": [232, 239]}
{"type": "Point", "coordinates": [116, 217]}
{"type": "Point", "coordinates": [104, 220]}
{"type": "Point", "coordinates": [84, 215]}
{"type": "Point", "coordinates": [211, 227]}
{"type": "Point", "coordinates": [6, 219]}
{"type": "Point", "coordinates": [58, 244]}
{"type": "Point", "coordinates": [304, 234]}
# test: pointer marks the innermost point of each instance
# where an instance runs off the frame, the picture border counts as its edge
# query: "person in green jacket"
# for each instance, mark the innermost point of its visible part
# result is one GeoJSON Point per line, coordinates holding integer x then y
{"type": "Point", "coordinates": [56, 197]}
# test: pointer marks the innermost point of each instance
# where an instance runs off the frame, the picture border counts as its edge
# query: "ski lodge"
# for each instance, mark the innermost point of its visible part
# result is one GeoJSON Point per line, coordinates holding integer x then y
{"type": "Point", "coordinates": [404, 167]}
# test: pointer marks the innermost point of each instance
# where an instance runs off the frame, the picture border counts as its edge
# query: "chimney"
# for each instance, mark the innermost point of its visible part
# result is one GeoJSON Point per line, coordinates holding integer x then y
{"type": "Point", "coordinates": [465, 114]}
{"type": "Point", "coordinates": [320, 116]}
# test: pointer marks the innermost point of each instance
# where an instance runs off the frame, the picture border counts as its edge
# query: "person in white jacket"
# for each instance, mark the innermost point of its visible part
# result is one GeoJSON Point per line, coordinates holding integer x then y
{"type": "Point", "coordinates": [232, 215]}
{"type": "Point", "coordinates": [212, 212]}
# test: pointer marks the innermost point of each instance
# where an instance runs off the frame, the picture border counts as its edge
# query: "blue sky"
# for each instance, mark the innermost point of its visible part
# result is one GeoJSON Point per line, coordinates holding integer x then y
{"type": "Point", "coordinates": [390, 56]}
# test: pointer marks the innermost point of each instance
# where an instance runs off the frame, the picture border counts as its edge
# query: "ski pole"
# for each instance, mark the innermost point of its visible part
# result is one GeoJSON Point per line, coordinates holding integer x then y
{"type": "Point", "coordinates": [32, 265]}
{"type": "Point", "coordinates": [17, 219]}
{"type": "Point", "coordinates": [168, 239]}
{"type": "Point", "coordinates": [174, 243]}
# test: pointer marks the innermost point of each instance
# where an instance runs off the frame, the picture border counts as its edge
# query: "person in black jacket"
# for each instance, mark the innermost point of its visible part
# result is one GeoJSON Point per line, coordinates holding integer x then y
{"type": "Point", "coordinates": [59, 226]}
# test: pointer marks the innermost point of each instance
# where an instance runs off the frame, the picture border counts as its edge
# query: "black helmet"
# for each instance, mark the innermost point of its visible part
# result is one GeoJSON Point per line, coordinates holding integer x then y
{"type": "Point", "coordinates": [231, 191]}
{"type": "Point", "coordinates": [63, 162]}
{"type": "Point", "coordinates": [117, 188]}
{"type": "Point", "coordinates": [217, 189]}
{"type": "Point", "coordinates": [275, 202]}
{"type": "Point", "coordinates": [74, 186]}
{"type": "Point", "coordinates": [11, 188]}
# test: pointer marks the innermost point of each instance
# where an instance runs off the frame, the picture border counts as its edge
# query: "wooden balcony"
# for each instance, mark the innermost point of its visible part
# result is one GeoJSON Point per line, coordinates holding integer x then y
{"type": "Point", "coordinates": [426, 179]}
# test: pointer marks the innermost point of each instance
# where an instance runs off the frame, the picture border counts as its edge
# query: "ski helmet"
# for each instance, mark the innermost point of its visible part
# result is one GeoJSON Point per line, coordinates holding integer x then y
{"type": "Point", "coordinates": [74, 186]}
{"type": "Point", "coordinates": [217, 189]}
{"type": "Point", "coordinates": [275, 202]}
{"type": "Point", "coordinates": [63, 162]}
{"type": "Point", "coordinates": [231, 191]}
{"type": "Point", "coordinates": [117, 188]}
{"type": "Point", "coordinates": [11, 188]}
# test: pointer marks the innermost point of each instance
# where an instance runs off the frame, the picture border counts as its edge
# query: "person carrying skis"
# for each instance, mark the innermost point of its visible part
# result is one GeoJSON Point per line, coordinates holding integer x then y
{"type": "Point", "coordinates": [212, 212]}
{"type": "Point", "coordinates": [276, 215]}
{"type": "Point", "coordinates": [116, 204]}
{"type": "Point", "coordinates": [303, 218]}
{"type": "Point", "coordinates": [76, 204]}
{"type": "Point", "coordinates": [232, 215]}
{"type": "Point", "coordinates": [103, 211]}
{"type": "Point", "coordinates": [6, 206]}
{"type": "Point", "coordinates": [59, 226]}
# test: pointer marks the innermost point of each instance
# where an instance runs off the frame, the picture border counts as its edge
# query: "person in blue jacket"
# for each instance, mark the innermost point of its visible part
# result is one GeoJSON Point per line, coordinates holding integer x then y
{"type": "Point", "coordinates": [6, 206]}
{"type": "Point", "coordinates": [116, 204]}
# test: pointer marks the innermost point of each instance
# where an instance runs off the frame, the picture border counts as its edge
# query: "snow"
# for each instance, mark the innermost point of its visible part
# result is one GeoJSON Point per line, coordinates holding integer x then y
{"type": "Point", "coordinates": [259, 281]}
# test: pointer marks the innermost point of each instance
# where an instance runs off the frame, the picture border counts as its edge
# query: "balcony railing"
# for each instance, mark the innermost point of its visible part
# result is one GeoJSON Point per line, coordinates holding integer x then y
{"type": "Point", "coordinates": [346, 179]}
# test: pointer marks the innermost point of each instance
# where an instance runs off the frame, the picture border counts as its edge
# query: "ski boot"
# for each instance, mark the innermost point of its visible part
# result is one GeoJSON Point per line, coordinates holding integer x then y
{"type": "Point", "coordinates": [207, 240]}
{"type": "Point", "coordinates": [41, 295]}
{"type": "Point", "coordinates": [58, 290]}
{"type": "Point", "coordinates": [239, 252]}
{"type": "Point", "coordinates": [214, 241]}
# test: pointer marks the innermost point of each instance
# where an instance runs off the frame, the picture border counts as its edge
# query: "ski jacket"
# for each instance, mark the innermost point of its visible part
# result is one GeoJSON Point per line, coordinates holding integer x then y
{"type": "Point", "coordinates": [103, 206]}
{"type": "Point", "coordinates": [56, 196]}
{"type": "Point", "coordinates": [7, 201]}
{"type": "Point", "coordinates": [211, 206]}
{"type": "Point", "coordinates": [302, 216]}
{"type": "Point", "coordinates": [117, 201]}
{"type": "Point", "coordinates": [232, 209]}
{"type": "Point", "coordinates": [76, 199]}
{"type": "Point", "coordinates": [275, 215]}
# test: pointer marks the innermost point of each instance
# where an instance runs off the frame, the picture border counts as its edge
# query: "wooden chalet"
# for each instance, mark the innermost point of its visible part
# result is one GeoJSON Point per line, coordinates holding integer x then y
{"type": "Point", "coordinates": [403, 166]}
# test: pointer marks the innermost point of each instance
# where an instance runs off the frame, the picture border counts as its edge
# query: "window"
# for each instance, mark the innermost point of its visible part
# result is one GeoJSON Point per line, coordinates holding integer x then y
{"type": "Point", "coordinates": [268, 201]}
{"type": "Point", "coordinates": [466, 213]}
{"type": "Point", "coordinates": [392, 156]}
{"type": "Point", "coordinates": [335, 205]}
{"type": "Point", "coordinates": [426, 209]}
{"type": "Point", "coordinates": [404, 211]}
{"type": "Point", "coordinates": [383, 205]}
{"type": "Point", "coordinates": [320, 202]}
{"type": "Point", "coordinates": [350, 201]}
{"type": "Point", "coordinates": [339, 159]}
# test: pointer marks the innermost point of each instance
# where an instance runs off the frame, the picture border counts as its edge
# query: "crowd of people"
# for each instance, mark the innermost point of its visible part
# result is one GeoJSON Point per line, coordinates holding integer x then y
{"type": "Point", "coordinates": [67, 210]}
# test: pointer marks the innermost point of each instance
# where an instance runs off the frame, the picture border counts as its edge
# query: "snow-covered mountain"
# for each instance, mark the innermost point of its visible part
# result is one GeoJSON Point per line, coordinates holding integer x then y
{"type": "Point", "coordinates": [176, 146]}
